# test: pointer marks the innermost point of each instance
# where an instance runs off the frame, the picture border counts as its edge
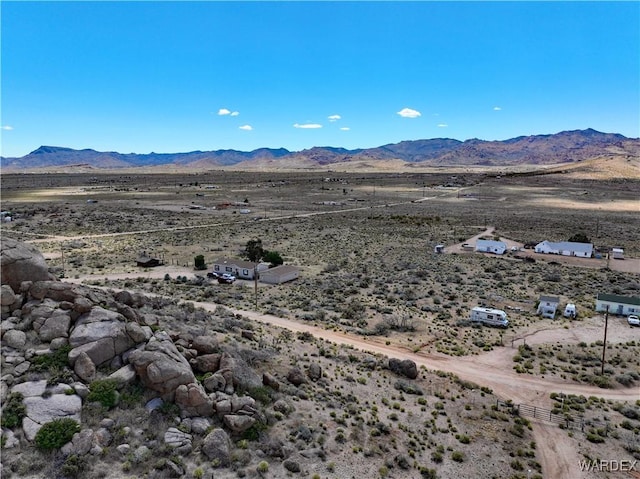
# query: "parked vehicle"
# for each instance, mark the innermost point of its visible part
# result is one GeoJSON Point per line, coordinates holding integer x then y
{"type": "Point", "coordinates": [633, 320]}
{"type": "Point", "coordinates": [213, 275]}
{"type": "Point", "coordinates": [489, 317]}
{"type": "Point", "coordinates": [226, 278]}
{"type": "Point", "coordinates": [570, 311]}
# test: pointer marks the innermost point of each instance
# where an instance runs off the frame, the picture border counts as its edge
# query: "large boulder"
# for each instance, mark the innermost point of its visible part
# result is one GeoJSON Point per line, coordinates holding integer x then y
{"type": "Point", "coordinates": [161, 367]}
{"type": "Point", "coordinates": [238, 374]}
{"type": "Point", "coordinates": [193, 400]}
{"type": "Point", "coordinates": [55, 326]}
{"type": "Point", "coordinates": [405, 367]}
{"type": "Point", "coordinates": [217, 447]}
{"type": "Point", "coordinates": [102, 334]}
{"type": "Point", "coordinates": [21, 262]}
{"type": "Point", "coordinates": [7, 296]}
{"type": "Point", "coordinates": [15, 339]}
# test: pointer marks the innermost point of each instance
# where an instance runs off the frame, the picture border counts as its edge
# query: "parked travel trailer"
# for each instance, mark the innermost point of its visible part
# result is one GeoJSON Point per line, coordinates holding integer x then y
{"type": "Point", "coordinates": [489, 316]}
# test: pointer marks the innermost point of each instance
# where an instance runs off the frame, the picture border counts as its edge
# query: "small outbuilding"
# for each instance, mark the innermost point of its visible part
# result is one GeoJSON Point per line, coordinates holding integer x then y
{"type": "Point", "coordinates": [146, 261]}
{"type": "Point", "coordinates": [548, 306]}
{"type": "Point", "coordinates": [279, 274]}
{"type": "Point", "coordinates": [491, 246]}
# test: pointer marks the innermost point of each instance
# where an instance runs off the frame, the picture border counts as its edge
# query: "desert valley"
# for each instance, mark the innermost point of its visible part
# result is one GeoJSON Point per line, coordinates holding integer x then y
{"type": "Point", "coordinates": [364, 361]}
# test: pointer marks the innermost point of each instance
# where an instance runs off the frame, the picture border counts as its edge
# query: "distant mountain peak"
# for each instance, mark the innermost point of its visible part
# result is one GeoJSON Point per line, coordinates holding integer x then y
{"type": "Point", "coordinates": [562, 147]}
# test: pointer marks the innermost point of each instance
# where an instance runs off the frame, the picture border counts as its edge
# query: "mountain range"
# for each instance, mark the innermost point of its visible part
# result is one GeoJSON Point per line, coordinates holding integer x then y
{"type": "Point", "coordinates": [563, 147]}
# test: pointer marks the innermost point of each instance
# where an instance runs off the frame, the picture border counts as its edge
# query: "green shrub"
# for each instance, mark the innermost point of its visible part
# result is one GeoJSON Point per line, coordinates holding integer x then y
{"type": "Point", "coordinates": [74, 466]}
{"type": "Point", "coordinates": [13, 411]}
{"type": "Point", "coordinates": [104, 391]}
{"type": "Point", "coordinates": [263, 466]}
{"type": "Point", "coordinates": [55, 434]}
{"type": "Point", "coordinates": [457, 456]}
{"type": "Point", "coordinates": [48, 362]}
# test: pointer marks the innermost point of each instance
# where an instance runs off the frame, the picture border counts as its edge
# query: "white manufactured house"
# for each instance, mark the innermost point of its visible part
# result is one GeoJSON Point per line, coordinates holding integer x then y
{"type": "Point", "coordinates": [239, 268]}
{"type": "Point", "coordinates": [490, 246]}
{"type": "Point", "coordinates": [565, 248]}
{"type": "Point", "coordinates": [489, 316]}
{"type": "Point", "coordinates": [622, 305]}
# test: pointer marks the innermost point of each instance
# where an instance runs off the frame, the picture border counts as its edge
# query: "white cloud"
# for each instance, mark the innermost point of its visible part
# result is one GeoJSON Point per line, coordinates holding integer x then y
{"type": "Point", "coordinates": [497, 108]}
{"type": "Point", "coordinates": [235, 113]}
{"type": "Point", "coordinates": [7, 127]}
{"type": "Point", "coordinates": [345, 128]}
{"type": "Point", "coordinates": [442, 125]}
{"type": "Point", "coordinates": [409, 113]}
{"type": "Point", "coordinates": [224, 111]}
{"type": "Point", "coordinates": [334, 117]}
{"type": "Point", "coordinates": [246, 127]}
{"type": "Point", "coordinates": [307, 125]}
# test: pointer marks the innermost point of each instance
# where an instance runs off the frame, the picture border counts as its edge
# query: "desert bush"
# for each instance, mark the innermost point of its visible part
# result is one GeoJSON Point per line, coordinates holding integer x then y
{"type": "Point", "coordinates": [104, 391]}
{"type": "Point", "coordinates": [55, 434]}
{"type": "Point", "coordinates": [13, 411]}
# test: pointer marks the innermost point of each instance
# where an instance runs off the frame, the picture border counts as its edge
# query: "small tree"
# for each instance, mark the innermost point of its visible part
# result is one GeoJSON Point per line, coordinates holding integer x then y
{"type": "Point", "coordinates": [273, 257]}
{"type": "Point", "coordinates": [254, 251]}
{"type": "Point", "coordinates": [199, 263]}
{"type": "Point", "coordinates": [580, 238]}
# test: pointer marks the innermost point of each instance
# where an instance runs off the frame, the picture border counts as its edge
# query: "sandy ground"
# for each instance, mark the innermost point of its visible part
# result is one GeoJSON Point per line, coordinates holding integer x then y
{"type": "Point", "coordinates": [557, 453]}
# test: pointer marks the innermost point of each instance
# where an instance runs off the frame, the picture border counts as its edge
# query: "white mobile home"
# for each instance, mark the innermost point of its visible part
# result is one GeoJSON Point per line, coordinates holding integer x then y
{"type": "Point", "coordinates": [489, 316]}
{"type": "Point", "coordinates": [490, 246]}
{"type": "Point", "coordinates": [239, 268]}
{"type": "Point", "coordinates": [565, 248]}
{"type": "Point", "coordinates": [622, 305]}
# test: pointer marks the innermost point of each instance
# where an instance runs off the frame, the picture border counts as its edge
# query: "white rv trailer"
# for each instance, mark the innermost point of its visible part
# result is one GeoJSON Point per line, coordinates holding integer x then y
{"type": "Point", "coordinates": [489, 316]}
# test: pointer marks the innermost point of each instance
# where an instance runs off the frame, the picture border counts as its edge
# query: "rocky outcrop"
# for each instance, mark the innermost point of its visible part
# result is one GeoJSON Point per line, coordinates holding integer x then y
{"type": "Point", "coordinates": [161, 367]}
{"type": "Point", "coordinates": [21, 262]}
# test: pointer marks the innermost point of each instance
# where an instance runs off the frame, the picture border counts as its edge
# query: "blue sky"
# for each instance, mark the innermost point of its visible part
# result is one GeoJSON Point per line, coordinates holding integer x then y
{"type": "Point", "coordinates": [177, 76]}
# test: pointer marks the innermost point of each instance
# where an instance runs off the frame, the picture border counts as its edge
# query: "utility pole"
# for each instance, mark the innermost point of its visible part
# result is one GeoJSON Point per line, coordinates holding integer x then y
{"type": "Point", "coordinates": [62, 252]}
{"type": "Point", "coordinates": [604, 346]}
{"type": "Point", "coordinates": [255, 285]}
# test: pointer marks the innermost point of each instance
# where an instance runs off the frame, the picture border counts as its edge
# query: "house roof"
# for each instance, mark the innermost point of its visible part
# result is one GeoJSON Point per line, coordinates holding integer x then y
{"type": "Point", "coordinates": [615, 298]}
{"type": "Point", "coordinates": [550, 299]}
{"type": "Point", "coordinates": [495, 244]}
{"type": "Point", "coordinates": [569, 246]}
{"type": "Point", "coordinates": [235, 262]}
{"type": "Point", "coordinates": [280, 270]}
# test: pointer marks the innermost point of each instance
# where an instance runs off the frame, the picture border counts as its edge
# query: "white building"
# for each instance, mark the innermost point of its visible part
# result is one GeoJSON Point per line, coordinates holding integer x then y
{"type": "Point", "coordinates": [565, 248]}
{"type": "Point", "coordinates": [548, 306]}
{"type": "Point", "coordinates": [490, 246]}
{"type": "Point", "coordinates": [239, 268]}
{"type": "Point", "coordinates": [622, 305]}
{"type": "Point", "coordinates": [279, 274]}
